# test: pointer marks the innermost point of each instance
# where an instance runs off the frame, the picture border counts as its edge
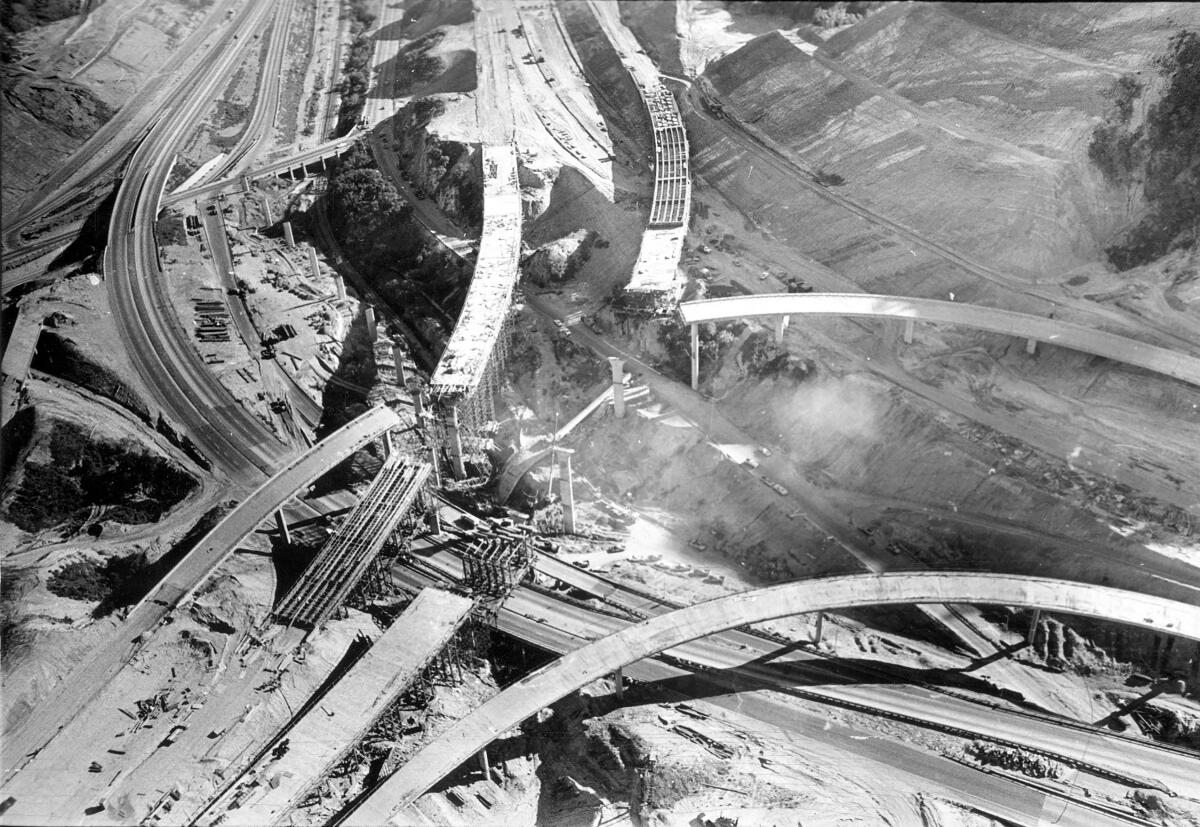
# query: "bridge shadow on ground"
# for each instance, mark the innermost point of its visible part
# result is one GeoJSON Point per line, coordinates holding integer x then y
{"type": "Point", "coordinates": [424, 16]}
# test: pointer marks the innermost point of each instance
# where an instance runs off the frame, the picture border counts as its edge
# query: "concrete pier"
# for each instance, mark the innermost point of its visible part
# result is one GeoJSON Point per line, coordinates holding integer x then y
{"type": "Point", "coordinates": [372, 330]}
{"type": "Point", "coordinates": [566, 488]}
{"type": "Point", "coordinates": [695, 356]}
{"type": "Point", "coordinates": [398, 361]}
{"type": "Point", "coordinates": [339, 284]}
{"type": "Point", "coordinates": [618, 386]}
{"type": "Point", "coordinates": [781, 325]}
{"type": "Point", "coordinates": [454, 435]}
{"type": "Point", "coordinates": [288, 238]}
{"type": "Point", "coordinates": [1031, 346]}
{"type": "Point", "coordinates": [282, 525]}
{"type": "Point", "coordinates": [909, 327]}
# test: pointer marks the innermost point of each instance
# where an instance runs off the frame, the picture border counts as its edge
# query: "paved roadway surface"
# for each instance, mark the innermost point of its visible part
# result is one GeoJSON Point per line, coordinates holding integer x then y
{"type": "Point", "coordinates": [593, 662]}
{"type": "Point", "coordinates": [1171, 363]}
{"type": "Point", "coordinates": [167, 364]}
{"type": "Point", "coordinates": [64, 706]}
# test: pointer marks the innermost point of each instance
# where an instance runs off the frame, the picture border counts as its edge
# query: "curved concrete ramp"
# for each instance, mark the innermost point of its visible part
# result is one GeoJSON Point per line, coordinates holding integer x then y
{"type": "Point", "coordinates": [594, 661]}
{"type": "Point", "coordinates": [1181, 366]}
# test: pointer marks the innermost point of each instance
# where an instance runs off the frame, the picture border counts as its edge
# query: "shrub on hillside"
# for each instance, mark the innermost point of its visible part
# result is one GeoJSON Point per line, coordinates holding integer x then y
{"type": "Point", "coordinates": [1163, 155]}
{"type": "Point", "coordinates": [82, 472]}
{"type": "Point", "coordinates": [61, 357]}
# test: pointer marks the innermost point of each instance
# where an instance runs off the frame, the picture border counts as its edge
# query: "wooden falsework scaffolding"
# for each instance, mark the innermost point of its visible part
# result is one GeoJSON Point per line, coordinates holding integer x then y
{"type": "Point", "coordinates": [346, 556]}
{"type": "Point", "coordinates": [476, 406]}
{"type": "Point", "coordinates": [493, 566]}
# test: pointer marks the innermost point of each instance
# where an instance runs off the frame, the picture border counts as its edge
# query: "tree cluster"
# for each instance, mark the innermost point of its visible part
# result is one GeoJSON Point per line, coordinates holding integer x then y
{"type": "Point", "coordinates": [136, 487]}
{"type": "Point", "coordinates": [1162, 155]}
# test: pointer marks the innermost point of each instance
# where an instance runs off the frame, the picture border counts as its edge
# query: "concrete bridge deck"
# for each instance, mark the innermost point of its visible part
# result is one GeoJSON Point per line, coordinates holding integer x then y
{"type": "Point", "coordinates": [467, 354]}
{"type": "Point", "coordinates": [655, 281]}
{"type": "Point", "coordinates": [594, 661]}
{"type": "Point", "coordinates": [1181, 366]}
{"type": "Point", "coordinates": [316, 742]}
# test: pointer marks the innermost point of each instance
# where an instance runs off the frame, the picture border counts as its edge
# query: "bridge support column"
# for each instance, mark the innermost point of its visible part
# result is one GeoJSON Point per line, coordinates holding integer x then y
{"type": "Point", "coordinates": [398, 361]}
{"type": "Point", "coordinates": [455, 436]}
{"type": "Point", "coordinates": [322, 159]}
{"type": "Point", "coordinates": [282, 525]}
{"type": "Point", "coordinates": [695, 356]}
{"type": "Point", "coordinates": [1031, 346]}
{"type": "Point", "coordinates": [372, 331]}
{"type": "Point", "coordinates": [909, 327]}
{"type": "Point", "coordinates": [419, 413]}
{"type": "Point", "coordinates": [820, 630]}
{"type": "Point", "coordinates": [288, 237]}
{"type": "Point", "coordinates": [566, 489]}
{"type": "Point", "coordinates": [484, 766]}
{"type": "Point", "coordinates": [618, 386]}
{"type": "Point", "coordinates": [339, 283]}
{"type": "Point", "coordinates": [781, 324]}
{"type": "Point", "coordinates": [1033, 625]}
{"type": "Point", "coordinates": [388, 447]}
{"type": "Point", "coordinates": [619, 682]}
{"type": "Point", "coordinates": [270, 218]}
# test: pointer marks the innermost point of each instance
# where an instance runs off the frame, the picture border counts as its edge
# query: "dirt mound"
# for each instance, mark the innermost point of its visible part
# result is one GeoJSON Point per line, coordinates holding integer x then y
{"type": "Point", "coordinates": [561, 259]}
{"type": "Point", "coordinates": [62, 357]}
{"type": "Point", "coordinates": [43, 120]}
{"type": "Point", "coordinates": [575, 204]}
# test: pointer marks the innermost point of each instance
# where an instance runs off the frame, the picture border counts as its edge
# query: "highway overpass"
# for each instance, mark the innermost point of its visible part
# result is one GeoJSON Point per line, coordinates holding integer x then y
{"type": "Point", "coordinates": [296, 162]}
{"type": "Point", "coordinates": [608, 654]}
{"type": "Point", "coordinates": [1181, 366]}
{"type": "Point", "coordinates": [109, 657]}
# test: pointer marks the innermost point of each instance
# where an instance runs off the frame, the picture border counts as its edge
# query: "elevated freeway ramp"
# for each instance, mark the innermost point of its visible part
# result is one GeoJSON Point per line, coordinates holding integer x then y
{"type": "Point", "coordinates": [317, 741]}
{"type": "Point", "coordinates": [655, 285]}
{"type": "Point", "coordinates": [1181, 366]}
{"type": "Point", "coordinates": [467, 354]}
{"type": "Point", "coordinates": [596, 660]}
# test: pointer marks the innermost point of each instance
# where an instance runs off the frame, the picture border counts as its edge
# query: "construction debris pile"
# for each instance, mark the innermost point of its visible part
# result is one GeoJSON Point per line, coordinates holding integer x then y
{"type": "Point", "coordinates": [1087, 490]}
{"type": "Point", "coordinates": [1035, 766]}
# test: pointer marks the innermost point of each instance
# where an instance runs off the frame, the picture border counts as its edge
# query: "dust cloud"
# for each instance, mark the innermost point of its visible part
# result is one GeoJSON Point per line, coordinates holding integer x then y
{"type": "Point", "coordinates": [829, 407]}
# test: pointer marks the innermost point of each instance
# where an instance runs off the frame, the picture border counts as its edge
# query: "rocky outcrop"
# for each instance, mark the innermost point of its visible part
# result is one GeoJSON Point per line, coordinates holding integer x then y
{"type": "Point", "coordinates": [560, 260]}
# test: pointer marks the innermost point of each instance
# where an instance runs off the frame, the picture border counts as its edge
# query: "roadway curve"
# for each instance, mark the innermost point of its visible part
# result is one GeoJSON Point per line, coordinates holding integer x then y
{"type": "Point", "coordinates": [90, 677]}
{"type": "Point", "coordinates": [1052, 331]}
{"type": "Point", "coordinates": [166, 362]}
{"type": "Point", "coordinates": [595, 661]}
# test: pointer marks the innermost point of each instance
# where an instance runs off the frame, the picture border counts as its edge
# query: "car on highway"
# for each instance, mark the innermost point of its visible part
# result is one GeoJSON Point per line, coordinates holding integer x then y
{"type": "Point", "coordinates": [774, 486]}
